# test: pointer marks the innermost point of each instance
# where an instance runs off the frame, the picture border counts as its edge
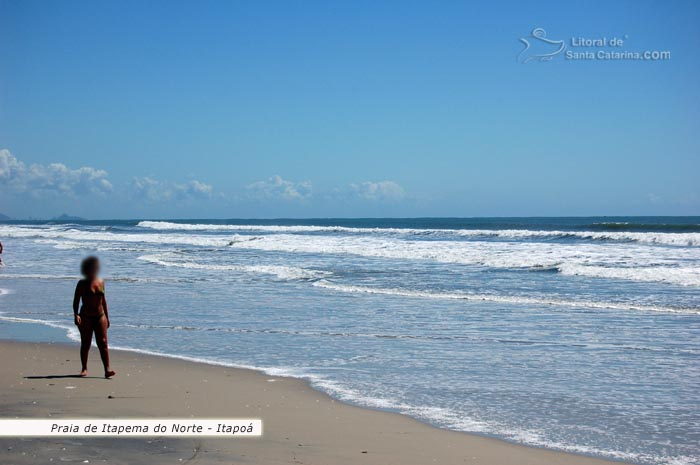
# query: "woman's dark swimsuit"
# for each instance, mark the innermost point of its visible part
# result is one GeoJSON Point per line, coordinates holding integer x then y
{"type": "Point", "coordinates": [93, 319]}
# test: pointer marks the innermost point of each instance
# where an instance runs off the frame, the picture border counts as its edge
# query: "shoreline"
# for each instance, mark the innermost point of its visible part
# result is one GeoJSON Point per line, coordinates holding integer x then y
{"type": "Point", "coordinates": [301, 424]}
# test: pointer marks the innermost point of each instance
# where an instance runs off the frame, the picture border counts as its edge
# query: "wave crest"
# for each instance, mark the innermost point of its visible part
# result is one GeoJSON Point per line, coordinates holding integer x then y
{"type": "Point", "coordinates": [686, 239]}
{"type": "Point", "coordinates": [287, 273]}
{"type": "Point", "coordinates": [501, 298]}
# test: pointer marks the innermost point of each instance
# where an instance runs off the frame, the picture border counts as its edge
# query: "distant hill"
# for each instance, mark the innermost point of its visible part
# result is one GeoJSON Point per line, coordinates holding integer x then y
{"type": "Point", "coordinates": [66, 217]}
{"type": "Point", "coordinates": [4, 217]}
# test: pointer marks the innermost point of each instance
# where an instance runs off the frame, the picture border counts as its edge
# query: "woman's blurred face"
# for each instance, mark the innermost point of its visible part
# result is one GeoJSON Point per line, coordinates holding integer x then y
{"type": "Point", "coordinates": [94, 272]}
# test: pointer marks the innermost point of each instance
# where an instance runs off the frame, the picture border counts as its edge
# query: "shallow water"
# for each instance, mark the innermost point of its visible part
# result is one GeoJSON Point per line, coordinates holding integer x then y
{"type": "Point", "coordinates": [581, 334]}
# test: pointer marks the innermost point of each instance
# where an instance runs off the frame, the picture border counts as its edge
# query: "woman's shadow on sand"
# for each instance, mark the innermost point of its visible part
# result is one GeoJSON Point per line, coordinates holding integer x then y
{"type": "Point", "coordinates": [62, 377]}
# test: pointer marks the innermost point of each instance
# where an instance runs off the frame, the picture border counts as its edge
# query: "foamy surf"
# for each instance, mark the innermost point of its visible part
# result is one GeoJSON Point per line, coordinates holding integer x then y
{"type": "Point", "coordinates": [280, 271]}
{"type": "Point", "coordinates": [632, 261]}
{"type": "Point", "coordinates": [602, 260]}
{"type": "Point", "coordinates": [677, 239]}
{"type": "Point", "coordinates": [516, 300]}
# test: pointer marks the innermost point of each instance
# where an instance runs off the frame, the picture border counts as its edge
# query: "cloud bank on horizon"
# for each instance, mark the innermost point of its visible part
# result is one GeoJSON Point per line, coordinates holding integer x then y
{"type": "Point", "coordinates": [34, 190]}
{"type": "Point", "coordinates": [37, 190]}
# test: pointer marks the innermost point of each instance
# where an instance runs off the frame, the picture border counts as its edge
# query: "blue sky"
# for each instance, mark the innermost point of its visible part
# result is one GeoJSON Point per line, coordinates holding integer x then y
{"type": "Point", "coordinates": [363, 108]}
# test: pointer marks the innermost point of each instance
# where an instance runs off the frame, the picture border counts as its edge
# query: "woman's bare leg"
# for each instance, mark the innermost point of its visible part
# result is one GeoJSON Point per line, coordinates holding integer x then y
{"type": "Point", "coordinates": [86, 330]}
{"type": "Point", "coordinates": [101, 338]}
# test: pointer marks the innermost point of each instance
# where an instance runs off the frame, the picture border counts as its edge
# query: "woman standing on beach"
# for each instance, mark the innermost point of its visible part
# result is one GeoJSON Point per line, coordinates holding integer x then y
{"type": "Point", "coordinates": [93, 316]}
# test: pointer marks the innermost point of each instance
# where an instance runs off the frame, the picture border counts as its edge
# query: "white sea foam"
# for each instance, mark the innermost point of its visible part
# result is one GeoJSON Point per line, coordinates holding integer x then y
{"type": "Point", "coordinates": [92, 245]}
{"type": "Point", "coordinates": [676, 239]}
{"type": "Point", "coordinates": [78, 235]}
{"type": "Point", "coordinates": [640, 263]}
{"type": "Point", "coordinates": [169, 226]}
{"type": "Point", "coordinates": [517, 300]}
{"type": "Point", "coordinates": [684, 275]}
{"type": "Point", "coordinates": [281, 272]}
{"type": "Point", "coordinates": [629, 261]}
{"type": "Point", "coordinates": [58, 277]}
{"type": "Point", "coordinates": [37, 276]}
{"type": "Point", "coordinates": [71, 331]}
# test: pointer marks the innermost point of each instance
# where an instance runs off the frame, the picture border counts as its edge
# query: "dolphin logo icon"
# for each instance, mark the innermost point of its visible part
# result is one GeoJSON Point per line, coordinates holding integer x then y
{"type": "Point", "coordinates": [539, 48]}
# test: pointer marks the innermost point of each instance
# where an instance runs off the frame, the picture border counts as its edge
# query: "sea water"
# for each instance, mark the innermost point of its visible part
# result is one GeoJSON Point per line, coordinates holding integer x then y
{"type": "Point", "coordinates": [577, 334]}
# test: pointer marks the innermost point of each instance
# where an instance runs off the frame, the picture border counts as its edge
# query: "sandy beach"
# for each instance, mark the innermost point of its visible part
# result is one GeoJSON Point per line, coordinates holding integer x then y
{"type": "Point", "coordinates": [302, 426]}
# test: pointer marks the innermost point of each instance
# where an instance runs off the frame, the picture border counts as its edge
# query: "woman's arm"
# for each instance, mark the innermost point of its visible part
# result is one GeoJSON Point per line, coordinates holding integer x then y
{"type": "Point", "coordinates": [76, 304]}
{"type": "Point", "coordinates": [104, 303]}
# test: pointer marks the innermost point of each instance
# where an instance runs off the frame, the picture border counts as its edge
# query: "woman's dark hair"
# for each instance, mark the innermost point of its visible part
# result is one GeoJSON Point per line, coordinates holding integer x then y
{"type": "Point", "coordinates": [89, 265]}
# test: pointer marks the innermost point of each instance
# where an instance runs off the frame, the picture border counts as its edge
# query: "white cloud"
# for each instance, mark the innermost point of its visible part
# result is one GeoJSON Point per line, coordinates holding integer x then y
{"type": "Point", "coordinates": [10, 167]}
{"type": "Point", "coordinates": [149, 189]}
{"type": "Point", "coordinates": [154, 190]}
{"type": "Point", "coordinates": [278, 188]}
{"type": "Point", "coordinates": [59, 185]}
{"type": "Point", "coordinates": [380, 191]}
{"type": "Point", "coordinates": [54, 178]}
{"type": "Point", "coordinates": [198, 188]}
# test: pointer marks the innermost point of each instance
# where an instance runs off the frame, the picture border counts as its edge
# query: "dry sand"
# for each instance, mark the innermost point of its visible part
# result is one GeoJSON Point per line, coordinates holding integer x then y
{"type": "Point", "coordinates": [301, 425]}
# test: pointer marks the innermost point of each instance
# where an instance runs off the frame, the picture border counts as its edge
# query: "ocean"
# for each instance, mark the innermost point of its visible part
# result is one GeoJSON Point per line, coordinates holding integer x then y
{"type": "Point", "coordinates": [577, 334]}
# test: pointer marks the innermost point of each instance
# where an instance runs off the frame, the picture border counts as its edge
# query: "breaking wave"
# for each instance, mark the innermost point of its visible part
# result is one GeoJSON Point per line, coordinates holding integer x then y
{"type": "Point", "coordinates": [631, 261]}
{"type": "Point", "coordinates": [687, 239]}
{"type": "Point", "coordinates": [281, 272]}
{"type": "Point", "coordinates": [601, 261]}
{"type": "Point", "coordinates": [518, 300]}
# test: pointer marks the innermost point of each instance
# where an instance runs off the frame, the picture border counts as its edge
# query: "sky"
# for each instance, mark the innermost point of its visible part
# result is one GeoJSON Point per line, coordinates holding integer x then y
{"type": "Point", "coordinates": [243, 109]}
